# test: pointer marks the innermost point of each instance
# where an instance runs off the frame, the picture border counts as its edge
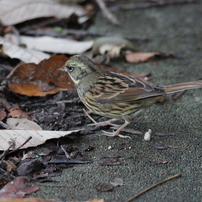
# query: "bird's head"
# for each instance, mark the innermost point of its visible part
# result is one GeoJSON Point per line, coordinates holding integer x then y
{"type": "Point", "coordinates": [79, 67]}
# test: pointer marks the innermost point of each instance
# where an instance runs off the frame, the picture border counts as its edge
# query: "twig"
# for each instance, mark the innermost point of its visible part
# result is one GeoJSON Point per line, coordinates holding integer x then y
{"type": "Point", "coordinates": [26, 141]}
{"type": "Point", "coordinates": [107, 13]}
{"type": "Point", "coordinates": [143, 5]}
{"type": "Point", "coordinates": [66, 154]}
{"type": "Point", "coordinates": [11, 144]}
{"type": "Point", "coordinates": [88, 115]}
{"type": "Point", "coordinates": [154, 185]}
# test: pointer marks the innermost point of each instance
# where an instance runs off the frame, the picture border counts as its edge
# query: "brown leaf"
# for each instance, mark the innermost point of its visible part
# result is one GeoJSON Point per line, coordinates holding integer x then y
{"type": "Point", "coordinates": [139, 57]}
{"type": "Point", "coordinates": [42, 79]}
{"type": "Point", "coordinates": [16, 112]}
{"type": "Point", "coordinates": [18, 188]}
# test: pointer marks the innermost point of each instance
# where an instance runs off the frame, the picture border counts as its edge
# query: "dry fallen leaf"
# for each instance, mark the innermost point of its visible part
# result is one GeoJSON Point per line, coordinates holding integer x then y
{"type": "Point", "coordinates": [111, 46]}
{"type": "Point", "coordinates": [13, 12]}
{"type": "Point", "coordinates": [26, 55]}
{"type": "Point", "coordinates": [51, 44]}
{"type": "Point", "coordinates": [16, 112]}
{"type": "Point", "coordinates": [38, 137]}
{"type": "Point", "coordinates": [18, 188]}
{"type": "Point", "coordinates": [22, 124]}
{"type": "Point", "coordinates": [140, 57]}
{"type": "Point", "coordinates": [42, 79]}
{"type": "Point", "coordinates": [56, 45]}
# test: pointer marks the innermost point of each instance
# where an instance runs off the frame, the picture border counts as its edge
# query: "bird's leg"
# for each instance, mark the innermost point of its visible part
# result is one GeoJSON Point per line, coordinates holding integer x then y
{"type": "Point", "coordinates": [117, 133]}
{"type": "Point", "coordinates": [127, 119]}
{"type": "Point", "coordinates": [103, 123]}
{"type": "Point", "coordinates": [88, 115]}
{"type": "Point", "coordinates": [95, 123]}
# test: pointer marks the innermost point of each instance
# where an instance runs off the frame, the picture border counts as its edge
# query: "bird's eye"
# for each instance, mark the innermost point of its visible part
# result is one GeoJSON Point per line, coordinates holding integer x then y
{"type": "Point", "coordinates": [70, 68]}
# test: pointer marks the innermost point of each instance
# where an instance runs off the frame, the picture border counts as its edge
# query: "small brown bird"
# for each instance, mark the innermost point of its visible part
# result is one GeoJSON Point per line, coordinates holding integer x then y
{"type": "Point", "coordinates": [116, 95]}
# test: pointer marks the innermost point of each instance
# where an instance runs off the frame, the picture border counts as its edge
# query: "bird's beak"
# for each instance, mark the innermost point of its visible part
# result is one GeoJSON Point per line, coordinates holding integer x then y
{"type": "Point", "coordinates": [62, 68]}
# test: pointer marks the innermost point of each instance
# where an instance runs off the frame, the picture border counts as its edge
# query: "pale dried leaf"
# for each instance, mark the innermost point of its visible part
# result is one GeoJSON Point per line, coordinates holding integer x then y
{"type": "Point", "coordinates": [13, 12]}
{"type": "Point", "coordinates": [26, 55]}
{"type": "Point", "coordinates": [139, 57]}
{"type": "Point", "coordinates": [111, 46]}
{"type": "Point", "coordinates": [22, 124]}
{"type": "Point", "coordinates": [38, 137]}
{"type": "Point", "coordinates": [56, 45]}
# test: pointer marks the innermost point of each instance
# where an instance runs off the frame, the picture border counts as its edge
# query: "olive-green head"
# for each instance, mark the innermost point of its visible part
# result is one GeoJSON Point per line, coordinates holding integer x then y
{"type": "Point", "coordinates": [79, 67]}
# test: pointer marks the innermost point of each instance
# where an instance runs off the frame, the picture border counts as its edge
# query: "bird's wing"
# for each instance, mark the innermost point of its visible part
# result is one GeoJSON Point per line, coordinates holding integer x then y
{"type": "Point", "coordinates": [123, 88]}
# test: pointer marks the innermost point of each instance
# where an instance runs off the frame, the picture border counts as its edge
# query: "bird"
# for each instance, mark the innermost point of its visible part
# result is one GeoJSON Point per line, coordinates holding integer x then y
{"type": "Point", "coordinates": [115, 95]}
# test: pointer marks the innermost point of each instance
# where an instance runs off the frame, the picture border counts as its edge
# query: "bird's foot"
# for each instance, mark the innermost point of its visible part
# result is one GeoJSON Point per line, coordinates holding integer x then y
{"type": "Point", "coordinates": [127, 130]}
{"type": "Point", "coordinates": [115, 134]}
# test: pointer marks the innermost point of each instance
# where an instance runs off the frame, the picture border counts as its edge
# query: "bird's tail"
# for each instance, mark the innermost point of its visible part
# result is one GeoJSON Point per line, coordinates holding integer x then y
{"type": "Point", "coordinates": [183, 86]}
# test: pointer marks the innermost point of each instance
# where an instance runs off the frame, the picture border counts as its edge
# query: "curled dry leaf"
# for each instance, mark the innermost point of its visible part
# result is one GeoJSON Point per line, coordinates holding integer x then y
{"type": "Point", "coordinates": [26, 55]}
{"type": "Point", "coordinates": [42, 79]}
{"type": "Point", "coordinates": [140, 57]}
{"type": "Point", "coordinates": [111, 46]}
{"type": "Point", "coordinates": [13, 12]}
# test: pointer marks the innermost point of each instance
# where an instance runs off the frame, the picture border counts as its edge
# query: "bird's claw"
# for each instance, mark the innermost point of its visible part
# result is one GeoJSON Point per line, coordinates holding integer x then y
{"type": "Point", "coordinates": [114, 134]}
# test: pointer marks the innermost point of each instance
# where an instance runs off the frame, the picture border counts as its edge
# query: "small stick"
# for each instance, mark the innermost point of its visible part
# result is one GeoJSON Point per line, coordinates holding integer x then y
{"type": "Point", "coordinates": [26, 141]}
{"type": "Point", "coordinates": [66, 154]}
{"type": "Point", "coordinates": [11, 144]}
{"type": "Point", "coordinates": [154, 185]}
{"type": "Point", "coordinates": [88, 115]}
{"type": "Point", "coordinates": [107, 13]}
